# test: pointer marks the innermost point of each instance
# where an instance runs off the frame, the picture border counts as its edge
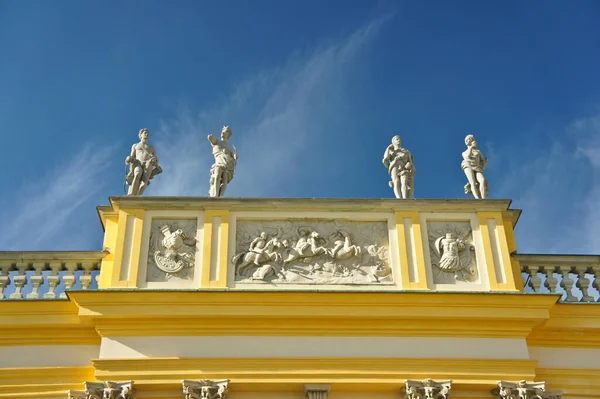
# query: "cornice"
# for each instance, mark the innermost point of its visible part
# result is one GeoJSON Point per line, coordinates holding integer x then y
{"type": "Point", "coordinates": [312, 313]}
{"type": "Point", "coordinates": [42, 382]}
{"type": "Point", "coordinates": [357, 374]}
{"type": "Point", "coordinates": [580, 383]}
{"type": "Point", "coordinates": [311, 204]}
{"type": "Point", "coordinates": [571, 325]}
{"type": "Point", "coordinates": [547, 259]}
{"type": "Point", "coordinates": [44, 322]}
{"type": "Point", "coordinates": [52, 256]}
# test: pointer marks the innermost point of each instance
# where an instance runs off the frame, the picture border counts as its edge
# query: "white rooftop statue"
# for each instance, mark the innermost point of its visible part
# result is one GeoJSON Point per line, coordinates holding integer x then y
{"type": "Point", "coordinates": [400, 164]}
{"type": "Point", "coordinates": [474, 164]}
{"type": "Point", "coordinates": [221, 172]}
{"type": "Point", "coordinates": [143, 165]}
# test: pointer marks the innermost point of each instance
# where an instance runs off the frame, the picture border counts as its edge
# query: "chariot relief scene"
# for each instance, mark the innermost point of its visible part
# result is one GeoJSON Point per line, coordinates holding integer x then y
{"type": "Point", "coordinates": [312, 251]}
{"type": "Point", "coordinates": [452, 252]}
{"type": "Point", "coordinates": [172, 250]}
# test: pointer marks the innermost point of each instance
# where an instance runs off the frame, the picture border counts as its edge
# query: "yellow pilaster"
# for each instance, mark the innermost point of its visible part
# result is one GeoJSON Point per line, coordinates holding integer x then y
{"type": "Point", "coordinates": [116, 236]}
{"type": "Point", "coordinates": [219, 279]}
{"type": "Point", "coordinates": [136, 249]}
{"type": "Point", "coordinates": [507, 281]}
{"type": "Point", "coordinates": [512, 247]}
{"type": "Point", "coordinates": [109, 243]}
{"type": "Point", "coordinates": [420, 278]}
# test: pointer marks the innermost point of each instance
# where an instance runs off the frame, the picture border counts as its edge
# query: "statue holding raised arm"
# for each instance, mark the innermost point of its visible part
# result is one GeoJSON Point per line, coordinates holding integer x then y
{"type": "Point", "coordinates": [143, 165]}
{"type": "Point", "coordinates": [401, 167]}
{"type": "Point", "coordinates": [221, 172]}
{"type": "Point", "coordinates": [474, 164]}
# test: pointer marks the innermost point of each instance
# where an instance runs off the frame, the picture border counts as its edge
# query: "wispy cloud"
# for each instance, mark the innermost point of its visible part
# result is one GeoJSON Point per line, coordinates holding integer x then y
{"type": "Point", "coordinates": [559, 191]}
{"type": "Point", "coordinates": [43, 208]}
{"type": "Point", "coordinates": [277, 118]}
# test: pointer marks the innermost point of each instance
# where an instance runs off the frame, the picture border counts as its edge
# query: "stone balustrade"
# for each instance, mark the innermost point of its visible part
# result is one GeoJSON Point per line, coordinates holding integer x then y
{"type": "Point", "coordinates": [577, 277]}
{"type": "Point", "coordinates": [47, 275]}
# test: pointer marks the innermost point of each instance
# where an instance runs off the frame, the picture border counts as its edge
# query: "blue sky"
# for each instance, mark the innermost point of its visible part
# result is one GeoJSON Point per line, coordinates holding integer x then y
{"type": "Point", "coordinates": [313, 92]}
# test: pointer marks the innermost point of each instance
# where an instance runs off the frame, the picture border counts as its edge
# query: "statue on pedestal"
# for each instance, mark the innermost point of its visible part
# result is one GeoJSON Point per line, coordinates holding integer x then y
{"type": "Point", "coordinates": [143, 165]}
{"type": "Point", "coordinates": [400, 164]}
{"type": "Point", "coordinates": [474, 164]}
{"type": "Point", "coordinates": [221, 172]}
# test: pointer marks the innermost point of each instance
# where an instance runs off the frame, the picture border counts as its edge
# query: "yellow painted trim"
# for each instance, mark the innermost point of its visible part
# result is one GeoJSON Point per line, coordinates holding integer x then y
{"type": "Point", "coordinates": [118, 254]}
{"type": "Point", "coordinates": [403, 247]}
{"type": "Point", "coordinates": [223, 250]}
{"type": "Point", "coordinates": [49, 335]}
{"type": "Point", "coordinates": [402, 251]}
{"type": "Point", "coordinates": [110, 243]}
{"type": "Point", "coordinates": [580, 383]}
{"type": "Point", "coordinates": [487, 249]}
{"type": "Point", "coordinates": [569, 326]}
{"type": "Point", "coordinates": [136, 248]}
{"type": "Point", "coordinates": [206, 250]}
{"type": "Point", "coordinates": [313, 314]}
{"type": "Point", "coordinates": [512, 247]}
{"type": "Point", "coordinates": [358, 374]}
{"type": "Point", "coordinates": [42, 382]}
{"type": "Point", "coordinates": [511, 283]}
{"type": "Point", "coordinates": [45, 322]}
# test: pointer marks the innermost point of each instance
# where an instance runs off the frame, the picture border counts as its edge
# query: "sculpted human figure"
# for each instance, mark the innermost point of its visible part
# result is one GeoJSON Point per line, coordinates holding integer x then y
{"type": "Point", "coordinates": [143, 165]}
{"type": "Point", "coordinates": [474, 164]}
{"type": "Point", "coordinates": [221, 172]}
{"type": "Point", "coordinates": [400, 164]}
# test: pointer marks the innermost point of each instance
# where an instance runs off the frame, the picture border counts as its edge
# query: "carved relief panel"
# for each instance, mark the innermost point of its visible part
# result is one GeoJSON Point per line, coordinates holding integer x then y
{"type": "Point", "coordinates": [172, 250]}
{"type": "Point", "coordinates": [312, 251]}
{"type": "Point", "coordinates": [452, 252]}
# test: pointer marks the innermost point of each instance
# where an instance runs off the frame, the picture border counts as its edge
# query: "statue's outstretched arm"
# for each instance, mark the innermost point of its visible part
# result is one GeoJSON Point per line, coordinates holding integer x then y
{"type": "Point", "coordinates": [213, 139]}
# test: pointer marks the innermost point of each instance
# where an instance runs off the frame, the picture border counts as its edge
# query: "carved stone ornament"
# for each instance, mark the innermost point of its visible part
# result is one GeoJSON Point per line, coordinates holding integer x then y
{"type": "Point", "coordinates": [452, 252]}
{"type": "Point", "coordinates": [172, 250]}
{"type": "Point", "coordinates": [104, 390]}
{"type": "Point", "coordinates": [312, 251]}
{"type": "Point", "coordinates": [316, 391]}
{"type": "Point", "coordinates": [205, 389]}
{"type": "Point", "coordinates": [523, 390]}
{"type": "Point", "coordinates": [428, 389]}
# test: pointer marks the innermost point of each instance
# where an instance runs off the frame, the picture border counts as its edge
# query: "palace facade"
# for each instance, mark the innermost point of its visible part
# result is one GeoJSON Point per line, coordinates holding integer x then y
{"type": "Point", "coordinates": [300, 298]}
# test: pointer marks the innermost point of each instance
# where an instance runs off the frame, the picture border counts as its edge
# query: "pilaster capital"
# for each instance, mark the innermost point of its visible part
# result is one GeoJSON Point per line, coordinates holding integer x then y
{"type": "Point", "coordinates": [428, 389]}
{"type": "Point", "coordinates": [316, 391]}
{"type": "Point", "coordinates": [104, 390]}
{"type": "Point", "coordinates": [524, 390]}
{"type": "Point", "coordinates": [206, 389]}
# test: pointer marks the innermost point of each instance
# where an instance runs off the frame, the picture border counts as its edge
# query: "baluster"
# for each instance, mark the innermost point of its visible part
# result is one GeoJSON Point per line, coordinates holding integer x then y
{"type": "Point", "coordinates": [36, 280]}
{"type": "Point", "coordinates": [535, 281]}
{"type": "Point", "coordinates": [567, 284]}
{"type": "Point", "coordinates": [69, 277]}
{"type": "Point", "coordinates": [551, 281]}
{"type": "Point", "coordinates": [595, 271]}
{"type": "Point", "coordinates": [20, 279]}
{"type": "Point", "coordinates": [86, 279]}
{"type": "Point", "coordinates": [584, 284]}
{"type": "Point", "coordinates": [5, 268]}
{"type": "Point", "coordinates": [53, 279]}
